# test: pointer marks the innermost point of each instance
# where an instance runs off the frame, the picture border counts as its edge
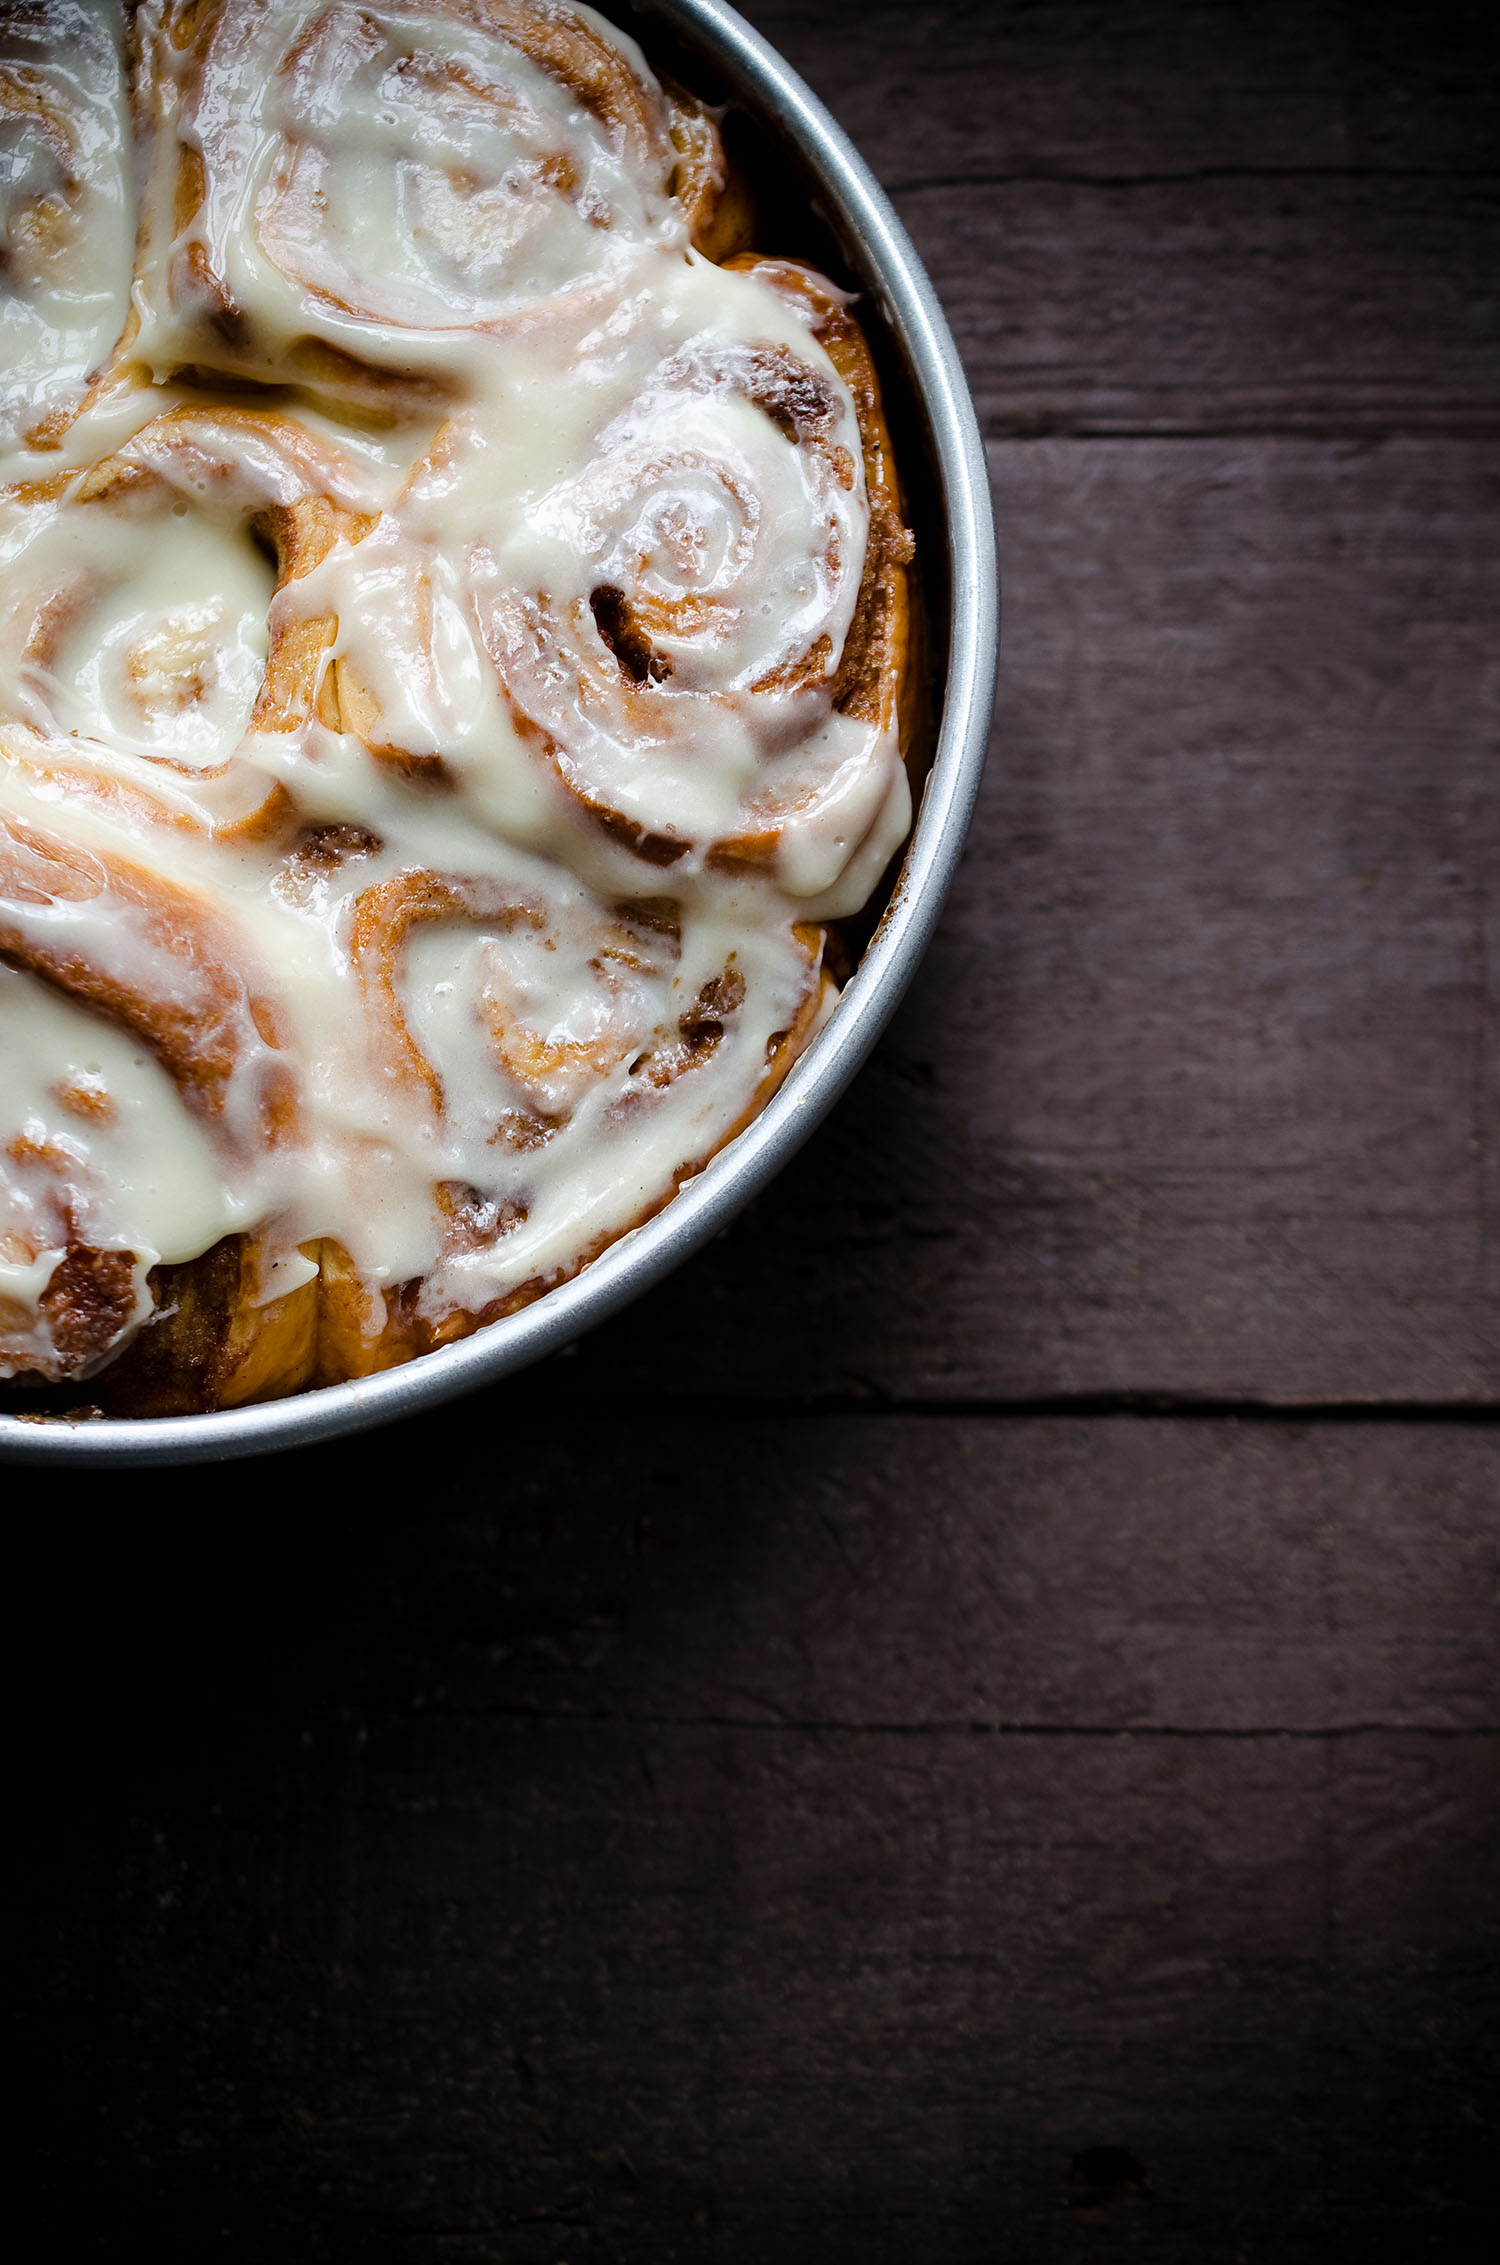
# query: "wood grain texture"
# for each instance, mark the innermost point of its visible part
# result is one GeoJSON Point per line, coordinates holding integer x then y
{"type": "Point", "coordinates": [1204, 220]}
{"type": "Point", "coordinates": [606, 1856]}
{"type": "Point", "coordinates": [1120, 88]}
{"type": "Point", "coordinates": [839, 2000]}
{"type": "Point", "coordinates": [1343, 305]}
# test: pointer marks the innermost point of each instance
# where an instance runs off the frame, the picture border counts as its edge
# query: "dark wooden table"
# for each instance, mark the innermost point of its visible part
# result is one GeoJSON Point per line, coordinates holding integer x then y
{"type": "Point", "coordinates": [965, 1727]}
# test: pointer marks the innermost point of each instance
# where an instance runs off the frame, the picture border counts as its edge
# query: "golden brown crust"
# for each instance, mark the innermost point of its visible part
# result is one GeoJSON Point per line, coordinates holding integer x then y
{"type": "Point", "coordinates": [875, 652]}
{"type": "Point", "coordinates": [208, 1344]}
{"type": "Point", "coordinates": [713, 190]}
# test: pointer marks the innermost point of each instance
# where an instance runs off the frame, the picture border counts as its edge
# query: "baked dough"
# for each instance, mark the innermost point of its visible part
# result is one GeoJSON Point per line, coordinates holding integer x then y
{"type": "Point", "coordinates": [453, 653]}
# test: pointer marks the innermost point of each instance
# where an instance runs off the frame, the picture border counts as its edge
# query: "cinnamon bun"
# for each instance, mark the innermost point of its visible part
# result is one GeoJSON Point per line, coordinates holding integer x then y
{"type": "Point", "coordinates": [453, 671]}
{"type": "Point", "coordinates": [344, 194]}
{"type": "Point", "coordinates": [688, 589]}
{"type": "Point", "coordinates": [572, 1060]}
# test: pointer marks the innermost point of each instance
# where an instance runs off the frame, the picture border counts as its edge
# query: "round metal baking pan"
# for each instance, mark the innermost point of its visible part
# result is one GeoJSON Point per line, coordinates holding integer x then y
{"type": "Point", "coordinates": [938, 445]}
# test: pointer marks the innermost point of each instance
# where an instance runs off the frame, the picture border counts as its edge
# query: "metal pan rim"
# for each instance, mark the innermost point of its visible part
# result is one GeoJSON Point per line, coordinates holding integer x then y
{"type": "Point", "coordinates": [909, 307]}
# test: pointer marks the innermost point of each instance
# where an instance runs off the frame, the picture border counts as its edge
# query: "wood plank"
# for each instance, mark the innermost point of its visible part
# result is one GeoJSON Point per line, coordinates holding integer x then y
{"type": "Point", "coordinates": [354, 1954]}
{"type": "Point", "coordinates": [975, 1573]}
{"type": "Point", "coordinates": [1314, 304]}
{"type": "Point", "coordinates": [1217, 219]}
{"type": "Point", "coordinates": [1196, 1091]}
{"type": "Point", "coordinates": [766, 1996]}
{"type": "Point", "coordinates": [972, 88]}
{"type": "Point", "coordinates": [1120, 1574]}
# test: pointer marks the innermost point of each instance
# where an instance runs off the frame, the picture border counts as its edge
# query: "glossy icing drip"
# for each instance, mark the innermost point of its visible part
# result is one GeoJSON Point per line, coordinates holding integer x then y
{"type": "Point", "coordinates": [66, 216]}
{"type": "Point", "coordinates": [421, 785]}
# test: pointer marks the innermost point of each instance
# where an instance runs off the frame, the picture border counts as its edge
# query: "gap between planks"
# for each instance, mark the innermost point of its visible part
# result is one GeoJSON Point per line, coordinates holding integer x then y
{"type": "Point", "coordinates": [1035, 177]}
{"type": "Point", "coordinates": [1145, 1406]}
{"type": "Point", "coordinates": [789, 1726]}
{"type": "Point", "coordinates": [1362, 431]}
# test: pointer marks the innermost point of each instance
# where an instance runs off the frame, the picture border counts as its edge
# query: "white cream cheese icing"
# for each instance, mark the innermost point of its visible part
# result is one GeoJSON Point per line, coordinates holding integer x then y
{"type": "Point", "coordinates": [66, 212]}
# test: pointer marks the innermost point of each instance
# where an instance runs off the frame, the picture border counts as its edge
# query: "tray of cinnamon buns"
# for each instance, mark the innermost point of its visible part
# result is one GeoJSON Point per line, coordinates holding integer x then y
{"type": "Point", "coordinates": [456, 679]}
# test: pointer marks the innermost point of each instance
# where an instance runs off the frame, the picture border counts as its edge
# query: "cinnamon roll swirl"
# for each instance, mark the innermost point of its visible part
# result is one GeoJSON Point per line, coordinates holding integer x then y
{"type": "Point", "coordinates": [571, 1061]}
{"type": "Point", "coordinates": [343, 193]}
{"type": "Point", "coordinates": [695, 610]}
{"type": "Point", "coordinates": [66, 213]}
